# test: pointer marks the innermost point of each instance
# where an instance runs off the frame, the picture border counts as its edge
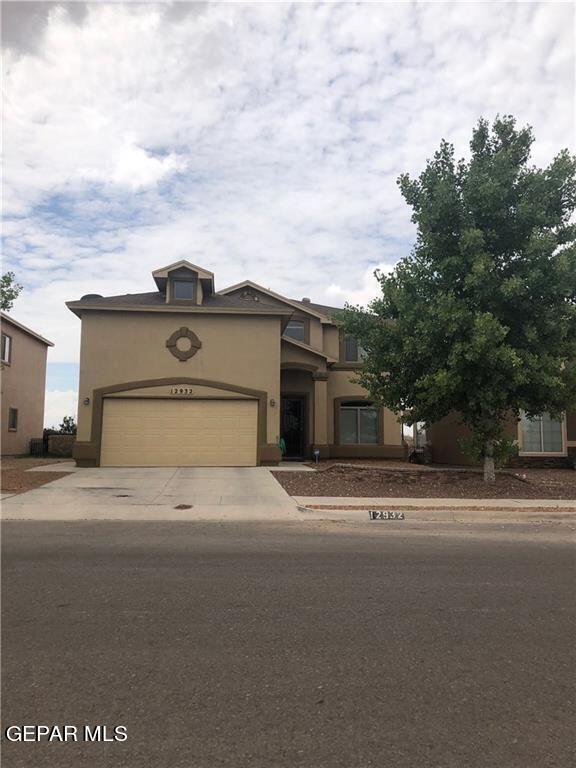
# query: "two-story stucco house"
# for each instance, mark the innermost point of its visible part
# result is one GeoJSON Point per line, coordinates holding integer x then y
{"type": "Point", "coordinates": [23, 360]}
{"type": "Point", "coordinates": [187, 376]}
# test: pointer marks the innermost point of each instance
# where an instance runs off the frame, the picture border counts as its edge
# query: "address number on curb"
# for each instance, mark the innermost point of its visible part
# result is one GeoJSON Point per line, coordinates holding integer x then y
{"type": "Point", "coordinates": [376, 514]}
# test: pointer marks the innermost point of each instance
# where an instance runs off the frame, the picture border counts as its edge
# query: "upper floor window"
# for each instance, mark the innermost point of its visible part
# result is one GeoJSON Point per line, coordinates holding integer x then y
{"type": "Point", "coordinates": [183, 289]}
{"type": "Point", "coordinates": [358, 423]}
{"type": "Point", "coordinates": [6, 355]}
{"type": "Point", "coordinates": [12, 419]}
{"type": "Point", "coordinates": [296, 330]}
{"type": "Point", "coordinates": [541, 434]}
{"type": "Point", "coordinates": [353, 352]}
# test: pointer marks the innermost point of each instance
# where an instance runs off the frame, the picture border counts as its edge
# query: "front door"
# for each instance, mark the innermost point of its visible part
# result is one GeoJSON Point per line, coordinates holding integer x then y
{"type": "Point", "coordinates": [292, 425]}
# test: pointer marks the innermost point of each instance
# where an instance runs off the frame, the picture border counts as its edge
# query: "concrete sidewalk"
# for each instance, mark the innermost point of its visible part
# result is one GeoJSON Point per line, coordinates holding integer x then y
{"type": "Point", "coordinates": [351, 502]}
{"type": "Point", "coordinates": [356, 509]}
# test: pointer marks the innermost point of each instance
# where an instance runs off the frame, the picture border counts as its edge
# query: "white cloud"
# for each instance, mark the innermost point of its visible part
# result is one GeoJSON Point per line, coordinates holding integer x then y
{"type": "Point", "coordinates": [58, 404]}
{"type": "Point", "coordinates": [363, 295]}
{"type": "Point", "coordinates": [133, 167]}
{"type": "Point", "coordinates": [262, 141]}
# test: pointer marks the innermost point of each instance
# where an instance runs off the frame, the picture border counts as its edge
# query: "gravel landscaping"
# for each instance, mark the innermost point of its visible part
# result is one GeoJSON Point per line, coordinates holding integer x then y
{"type": "Point", "coordinates": [15, 479]}
{"type": "Point", "coordinates": [428, 482]}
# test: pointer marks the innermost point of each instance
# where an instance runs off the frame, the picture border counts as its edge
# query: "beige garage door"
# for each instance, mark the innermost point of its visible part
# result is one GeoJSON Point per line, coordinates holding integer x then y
{"type": "Point", "coordinates": [193, 433]}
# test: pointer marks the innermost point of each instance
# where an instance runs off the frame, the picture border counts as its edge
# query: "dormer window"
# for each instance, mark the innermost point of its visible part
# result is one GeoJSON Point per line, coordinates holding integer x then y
{"type": "Point", "coordinates": [183, 290]}
{"type": "Point", "coordinates": [184, 283]}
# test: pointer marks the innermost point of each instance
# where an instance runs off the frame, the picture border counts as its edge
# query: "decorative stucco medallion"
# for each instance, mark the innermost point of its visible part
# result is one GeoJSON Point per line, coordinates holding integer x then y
{"type": "Point", "coordinates": [183, 354]}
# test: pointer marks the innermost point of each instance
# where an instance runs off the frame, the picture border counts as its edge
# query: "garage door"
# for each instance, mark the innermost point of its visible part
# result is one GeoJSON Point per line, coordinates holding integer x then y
{"type": "Point", "coordinates": [194, 433]}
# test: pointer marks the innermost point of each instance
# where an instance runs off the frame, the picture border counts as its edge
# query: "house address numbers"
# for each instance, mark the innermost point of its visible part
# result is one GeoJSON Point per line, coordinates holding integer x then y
{"type": "Point", "coordinates": [181, 391]}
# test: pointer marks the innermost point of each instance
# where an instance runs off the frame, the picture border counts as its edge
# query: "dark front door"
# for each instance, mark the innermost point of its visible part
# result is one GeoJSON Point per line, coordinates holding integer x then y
{"type": "Point", "coordinates": [292, 415]}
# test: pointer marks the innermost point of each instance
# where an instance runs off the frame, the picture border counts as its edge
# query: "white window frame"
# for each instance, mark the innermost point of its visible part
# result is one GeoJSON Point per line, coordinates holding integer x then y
{"type": "Point", "coordinates": [563, 452]}
{"type": "Point", "coordinates": [8, 346]}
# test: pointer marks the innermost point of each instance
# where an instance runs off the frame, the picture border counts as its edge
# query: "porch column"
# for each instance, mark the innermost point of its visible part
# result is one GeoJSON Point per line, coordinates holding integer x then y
{"type": "Point", "coordinates": [320, 441]}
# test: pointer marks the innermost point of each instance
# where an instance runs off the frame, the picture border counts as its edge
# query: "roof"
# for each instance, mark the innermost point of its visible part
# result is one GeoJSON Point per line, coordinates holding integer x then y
{"type": "Point", "coordinates": [321, 308]}
{"type": "Point", "coordinates": [156, 300]}
{"type": "Point", "coordinates": [202, 273]}
{"type": "Point", "coordinates": [316, 310]}
{"type": "Point", "coordinates": [7, 319]}
{"type": "Point", "coordinates": [211, 302]}
{"type": "Point", "coordinates": [308, 348]}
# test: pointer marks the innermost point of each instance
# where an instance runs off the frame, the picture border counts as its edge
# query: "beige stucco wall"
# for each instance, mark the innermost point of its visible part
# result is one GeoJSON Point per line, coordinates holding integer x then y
{"type": "Point", "coordinates": [23, 385]}
{"type": "Point", "coordinates": [446, 435]}
{"type": "Point", "coordinates": [238, 350]}
{"type": "Point", "coordinates": [297, 356]}
{"type": "Point", "coordinates": [331, 341]}
{"type": "Point", "coordinates": [316, 335]}
{"type": "Point", "coordinates": [189, 392]}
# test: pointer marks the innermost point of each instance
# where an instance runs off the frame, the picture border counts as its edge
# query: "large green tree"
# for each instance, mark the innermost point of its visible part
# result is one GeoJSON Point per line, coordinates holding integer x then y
{"type": "Point", "coordinates": [480, 319]}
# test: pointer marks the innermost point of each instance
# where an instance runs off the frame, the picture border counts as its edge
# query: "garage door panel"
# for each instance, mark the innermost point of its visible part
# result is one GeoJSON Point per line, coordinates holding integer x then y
{"type": "Point", "coordinates": [148, 432]}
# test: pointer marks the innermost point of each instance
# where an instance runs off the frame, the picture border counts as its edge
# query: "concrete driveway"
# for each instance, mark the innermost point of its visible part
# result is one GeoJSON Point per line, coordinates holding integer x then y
{"type": "Point", "coordinates": [156, 493]}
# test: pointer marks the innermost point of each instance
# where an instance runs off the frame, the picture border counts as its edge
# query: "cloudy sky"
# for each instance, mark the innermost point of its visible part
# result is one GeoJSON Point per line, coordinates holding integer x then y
{"type": "Point", "coordinates": [259, 140]}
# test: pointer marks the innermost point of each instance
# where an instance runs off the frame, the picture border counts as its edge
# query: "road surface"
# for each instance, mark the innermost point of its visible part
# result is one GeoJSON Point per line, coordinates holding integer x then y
{"type": "Point", "coordinates": [321, 644]}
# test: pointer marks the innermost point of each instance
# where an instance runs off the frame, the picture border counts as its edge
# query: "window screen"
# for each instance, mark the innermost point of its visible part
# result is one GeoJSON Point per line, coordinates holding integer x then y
{"type": "Point", "coordinates": [13, 419]}
{"type": "Point", "coordinates": [358, 423]}
{"type": "Point", "coordinates": [541, 434]}
{"type": "Point", "coordinates": [295, 330]}
{"type": "Point", "coordinates": [183, 289]}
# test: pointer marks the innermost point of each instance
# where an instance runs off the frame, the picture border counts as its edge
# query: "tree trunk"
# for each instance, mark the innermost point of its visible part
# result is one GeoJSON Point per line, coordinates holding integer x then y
{"type": "Point", "coordinates": [489, 473]}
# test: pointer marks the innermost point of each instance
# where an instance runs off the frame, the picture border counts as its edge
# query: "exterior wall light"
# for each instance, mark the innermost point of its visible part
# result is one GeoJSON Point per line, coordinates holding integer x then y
{"type": "Point", "coordinates": [86, 401]}
{"type": "Point", "coordinates": [272, 402]}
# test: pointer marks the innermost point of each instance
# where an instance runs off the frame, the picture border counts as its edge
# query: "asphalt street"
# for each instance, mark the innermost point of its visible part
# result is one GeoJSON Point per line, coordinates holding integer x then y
{"type": "Point", "coordinates": [321, 644]}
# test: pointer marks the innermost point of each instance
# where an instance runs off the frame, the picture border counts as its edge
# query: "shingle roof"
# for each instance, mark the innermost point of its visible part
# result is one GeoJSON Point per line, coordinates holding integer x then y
{"type": "Point", "coordinates": [322, 308]}
{"type": "Point", "coordinates": [215, 301]}
{"type": "Point", "coordinates": [157, 299]}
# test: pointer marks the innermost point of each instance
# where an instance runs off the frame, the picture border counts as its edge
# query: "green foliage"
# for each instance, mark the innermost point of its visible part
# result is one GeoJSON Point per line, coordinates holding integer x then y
{"type": "Point", "coordinates": [503, 449]}
{"type": "Point", "coordinates": [481, 317]}
{"type": "Point", "coordinates": [68, 426]}
{"type": "Point", "coordinates": [9, 291]}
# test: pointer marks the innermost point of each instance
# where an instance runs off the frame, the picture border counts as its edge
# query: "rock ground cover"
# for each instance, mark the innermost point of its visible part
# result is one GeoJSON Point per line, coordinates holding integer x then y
{"type": "Point", "coordinates": [396, 481]}
{"type": "Point", "coordinates": [15, 479]}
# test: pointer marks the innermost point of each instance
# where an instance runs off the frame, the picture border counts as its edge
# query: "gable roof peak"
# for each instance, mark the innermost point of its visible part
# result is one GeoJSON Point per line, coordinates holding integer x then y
{"type": "Point", "coordinates": [290, 302]}
{"type": "Point", "coordinates": [183, 263]}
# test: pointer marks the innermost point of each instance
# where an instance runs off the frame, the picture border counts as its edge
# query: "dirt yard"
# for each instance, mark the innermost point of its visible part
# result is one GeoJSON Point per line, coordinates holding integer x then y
{"type": "Point", "coordinates": [15, 479]}
{"type": "Point", "coordinates": [427, 482]}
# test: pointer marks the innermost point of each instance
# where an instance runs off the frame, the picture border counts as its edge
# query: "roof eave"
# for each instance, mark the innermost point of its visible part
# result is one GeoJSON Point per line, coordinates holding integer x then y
{"type": "Point", "coordinates": [25, 329]}
{"type": "Point", "coordinates": [307, 348]}
{"type": "Point", "coordinates": [78, 307]}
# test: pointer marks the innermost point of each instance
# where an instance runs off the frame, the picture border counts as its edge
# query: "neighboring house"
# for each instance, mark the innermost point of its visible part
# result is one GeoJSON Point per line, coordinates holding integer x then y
{"type": "Point", "coordinates": [542, 442]}
{"type": "Point", "coordinates": [188, 376]}
{"type": "Point", "coordinates": [23, 359]}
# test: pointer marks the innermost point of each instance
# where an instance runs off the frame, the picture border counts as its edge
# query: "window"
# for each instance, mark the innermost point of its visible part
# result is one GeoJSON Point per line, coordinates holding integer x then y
{"type": "Point", "coordinates": [542, 434]}
{"type": "Point", "coordinates": [6, 348]}
{"type": "Point", "coordinates": [12, 419]}
{"type": "Point", "coordinates": [358, 423]}
{"type": "Point", "coordinates": [183, 289]}
{"type": "Point", "coordinates": [296, 330]}
{"type": "Point", "coordinates": [353, 352]}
